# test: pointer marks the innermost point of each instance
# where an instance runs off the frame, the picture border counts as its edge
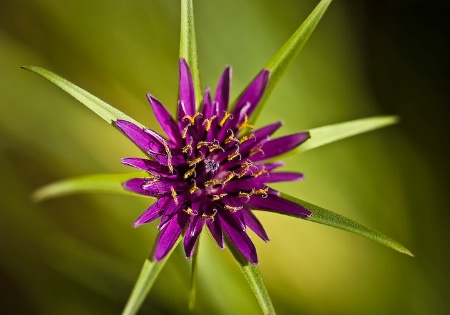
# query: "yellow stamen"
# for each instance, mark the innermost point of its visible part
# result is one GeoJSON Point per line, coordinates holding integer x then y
{"type": "Point", "coordinates": [208, 122]}
{"type": "Point", "coordinates": [217, 197]}
{"type": "Point", "coordinates": [186, 148]}
{"type": "Point", "coordinates": [256, 150]}
{"type": "Point", "coordinates": [192, 118]}
{"type": "Point", "coordinates": [213, 182]}
{"type": "Point", "coordinates": [210, 217]}
{"type": "Point", "coordinates": [185, 130]}
{"type": "Point", "coordinates": [169, 156]}
{"type": "Point", "coordinates": [262, 171]}
{"type": "Point", "coordinates": [235, 154]}
{"type": "Point", "coordinates": [194, 187]}
{"type": "Point", "coordinates": [228, 178]}
{"type": "Point", "coordinates": [247, 137]}
{"type": "Point", "coordinates": [194, 162]}
{"type": "Point", "coordinates": [231, 137]}
{"type": "Point", "coordinates": [225, 118]}
{"type": "Point", "coordinates": [262, 192]}
{"type": "Point", "coordinates": [174, 195]}
{"type": "Point", "coordinates": [245, 124]}
{"type": "Point", "coordinates": [245, 195]}
{"type": "Point", "coordinates": [191, 212]}
{"type": "Point", "coordinates": [190, 172]}
{"type": "Point", "coordinates": [232, 209]}
{"type": "Point", "coordinates": [215, 146]}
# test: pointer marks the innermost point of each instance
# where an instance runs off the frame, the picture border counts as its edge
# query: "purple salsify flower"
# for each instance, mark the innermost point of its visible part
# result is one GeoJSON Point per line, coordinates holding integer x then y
{"type": "Point", "coordinates": [210, 169]}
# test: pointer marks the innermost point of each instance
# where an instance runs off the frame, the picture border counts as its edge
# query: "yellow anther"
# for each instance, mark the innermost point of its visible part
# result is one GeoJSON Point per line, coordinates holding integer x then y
{"type": "Point", "coordinates": [262, 192]}
{"type": "Point", "coordinates": [209, 217]}
{"type": "Point", "coordinates": [202, 144]}
{"type": "Point", "coordinates": [226, 116]}
{"type": "Point", "coordinates": [208, 122]}
{"type": "Point", "coordinates": [192, 118]}
{"type": "Point", "coordinates": [215, 146]}
{"type": "Point", "coordinates": [262, 171]}
{"type": "Point", "coordinates": [245, 124]}
{"type": "Point", "coordinates": [234, 155]}
{"type": "Point", "coordinates": [185, 130]}
{"type": "Point", "coordinates": [247, 137]}
{"type": "Point", "coordinates": [174, 195]}
{"type": "Point", "coordinates": [190, 211]}
{"type": "Point", "coordinates": [245, 195]}
{"type": "Point", "coordinates": [186, 148]}
{"type": "Point", "coordinates": [194, 162]}
{"type": "Point", "coordinates": [256, 150]}
{"type": "Point", "coordinates": [217, 197]}
{"type": "Point", "coordinates": [169, 156]}
{"type": "Point", "coordinates": [190, 172]}
{"type": "Point", "coordinates": [213, 182]}
{"type": "Point", "coordinates": [228, 178]}
{"type": "Point", "coordinates": [231, 137]}
{"type": "Point", "coordinates": [232, 209]}
{"type": "Point", "coordinates": [194, 187]}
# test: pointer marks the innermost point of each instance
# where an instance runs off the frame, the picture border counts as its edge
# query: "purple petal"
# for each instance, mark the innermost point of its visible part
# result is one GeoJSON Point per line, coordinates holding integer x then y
{"type": "Point", "coordinates": [216, 231]}
{"type": "Point", "coordinates": [186, 105]}
{"type": "Point", "coordinates": [148, 166]}
{"type": "Point", "coordinates": [153, 212]}
{"type": "Point", "coordinates": [279, 146]}
{"type": "Point", "coordinates": [283, 177]}
{"type": "Point", "coordinates": [233, 227]}
{"type": "Point", "coordinates": [193, 231]}
{"type": "Point", "coordinates": [222, 96]}
{"type": "Point", "coordinates": [253, 94]}
{"type": "Point", "coordinates": [277, 204]}
{"type": "Point", "coordinates": [135, 185]}
{"type": "Point", "coordinates": [273, 165]}
{"type": "Point", "coordinates": [253, 223]}
{"type": "Point", "coordinates": [164, 118]}
{"type": "Point", "coordinates": [170, 234]}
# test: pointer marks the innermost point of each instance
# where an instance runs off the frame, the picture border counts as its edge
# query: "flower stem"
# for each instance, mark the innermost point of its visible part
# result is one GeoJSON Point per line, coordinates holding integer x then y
{"type": "Point", "coordinates": [254, 279]}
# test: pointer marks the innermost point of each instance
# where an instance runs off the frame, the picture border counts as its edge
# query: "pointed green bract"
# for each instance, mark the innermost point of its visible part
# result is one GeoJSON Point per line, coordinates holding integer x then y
{"type": "Point", "coordinates": [327, 217]}
{"type": "Point", "coordinates": [284, 57]}
{"type": "Point", "coordinates": [104, 110]}
{"type": "Point", "coordinates": [188, 45]}
{"type": "Point", "coordinates": [254, 279]}
{"type": "Point", "coordinates": [331, 133]}
{"type": "Point", "coordinates": [111, 183]}
{"type": "Point", "coordinates": [149, 272]}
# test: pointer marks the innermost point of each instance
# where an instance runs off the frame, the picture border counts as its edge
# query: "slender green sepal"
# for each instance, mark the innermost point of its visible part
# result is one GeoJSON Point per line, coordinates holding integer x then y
{"type": "Point", "coordinates": [145, 281]}
{"type": "Point", "coordinates": [102, 109]}
{"type": "Point", "coordinates": [331, 133]}
{"type": "Point", "coordinates": [327, 217]}
{"type": "Point", "coordinates": [284, 57]}
{"type": "Point", "coordinates": [193, 281]}
{"type": "Point", "coordinates": [254, 279]}
{"type": "Point", "coordinates": [188, 45]}
{"type": "Point", "coordinates": [111, 183]}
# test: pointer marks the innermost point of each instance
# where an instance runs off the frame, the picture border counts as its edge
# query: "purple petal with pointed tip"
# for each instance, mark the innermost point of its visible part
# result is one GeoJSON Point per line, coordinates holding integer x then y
{"type": "Point", "coordinates": [216, 231]}
{"type": "Point", "coordinates": [279, 146]}
{"type": "Point", "coordinates": [277, 204]}
{"type": "Point", "coordinates": [187, 96]}
{"type": "Point", "coordinates": [222, 96]}
{"type": "Point", "coordinates": [253, 223]}
{"type": "Point", "coordinates": [135, 185]}
{"type": "Point", "coordinates": [165, 120]}
{"type": "Point", "coordinates": [237, 235]}
{"type": "Point", "coordinates": [190, 237]}
{"type": "Point", "coordinates": [170, 234]}
{"type": "Point", "coordinates": [153, 212]}
{"type": "Point", "coordinates": [253, 94]}
{"type": "Point", "coordinates": [147, 165]}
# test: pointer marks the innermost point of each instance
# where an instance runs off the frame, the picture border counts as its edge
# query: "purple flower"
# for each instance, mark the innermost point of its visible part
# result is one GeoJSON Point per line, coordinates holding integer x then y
{"type": "Point", "coordinates": [211, 169]}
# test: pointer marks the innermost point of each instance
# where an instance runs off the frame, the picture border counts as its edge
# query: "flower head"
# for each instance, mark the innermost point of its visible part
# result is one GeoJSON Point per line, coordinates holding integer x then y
{"type": "Point", "coordinates": [212, 167]}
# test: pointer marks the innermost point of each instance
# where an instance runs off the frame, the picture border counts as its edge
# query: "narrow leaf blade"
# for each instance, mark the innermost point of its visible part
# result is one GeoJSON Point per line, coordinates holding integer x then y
{"type": "Point", "coordinates": [327, 217]}
{"type": "Point", "coordinates": [101, 108]}
{"type": "Point", "coordinates": [254, 279]}
{"type": "Point", "coordinates": [284, 57]}
{"type": "Point", "coordinates": [331, 133]}
{"type": "Point", "coordinates": [147, 277]}
{"type": "Point", "coordinates": [188, 45]}
{"type": "Point", "coordinates": [193, 280]}
{"type": "Point", "coordinates": [111, 183]}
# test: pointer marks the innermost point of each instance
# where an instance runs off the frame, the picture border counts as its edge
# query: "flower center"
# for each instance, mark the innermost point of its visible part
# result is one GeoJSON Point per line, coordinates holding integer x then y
{"type": "Point", "coordinates": [211, 165]}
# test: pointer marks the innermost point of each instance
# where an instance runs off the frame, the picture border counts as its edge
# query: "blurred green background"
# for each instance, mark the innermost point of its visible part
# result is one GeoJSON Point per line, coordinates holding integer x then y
{"type": "Point", "coordinates": [80, 254]}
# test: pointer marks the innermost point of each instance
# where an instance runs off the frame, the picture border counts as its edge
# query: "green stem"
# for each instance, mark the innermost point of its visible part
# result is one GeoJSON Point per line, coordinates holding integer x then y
{"type": "Point", "coordinates": [254, 279]}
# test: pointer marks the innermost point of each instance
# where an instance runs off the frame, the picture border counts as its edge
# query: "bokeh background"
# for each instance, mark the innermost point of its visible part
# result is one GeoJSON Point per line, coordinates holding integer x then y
{"type": "Point", "coordinates": [80, 254]}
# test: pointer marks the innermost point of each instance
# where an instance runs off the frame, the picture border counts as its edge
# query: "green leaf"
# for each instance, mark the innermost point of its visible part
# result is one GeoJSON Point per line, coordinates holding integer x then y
{"type": "Point", "coordinates": [145, 281]}
{"type": "Point", "coordinates": [188, 45]}
{"type": "Point", "coordinates": [327, 217]}
{"type": "Point", "coordinates": [331, 133]}
{"type": "Point", "coordinates": [254, 279]}
{"type": "Point", "coordinates": [104, 110]}
{"type": "Point", "coordinates": [111, 183]}
{"type": "Point", "coordinates": [284, 57]}
{"type": "Point", "coordinates": [193, 281]}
